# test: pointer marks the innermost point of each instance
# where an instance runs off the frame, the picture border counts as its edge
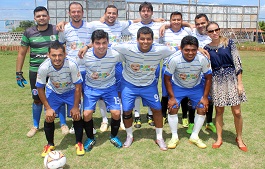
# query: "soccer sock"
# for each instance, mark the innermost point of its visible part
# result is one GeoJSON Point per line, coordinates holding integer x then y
{"type": "Point", "coordinates": [209, 114]}
{"type": "Point", "coordinates": [115, 125]}
{"type": "Point", "coordinates": [184, 107]}
{"type": "Point", "coordinates": [88, 126]}
{"type": "Point", "coordinates": [164, 102]}
{"type": "Point", "coordinates": [173, 123]}
{"type": "Point", "coordinates": [78, 126]}
{"type": "Point", "coordinates": [103, 111]}
{"type": "Point", "coordinates": [62, 114]}
{"type": "Point", "coordinates": [137, 107]}
{"type": "Point", "coordinates": [150, 113]}
{"type": "Point", "coordinates": [198, 122]}
{"type": "Point", "coordinates": [191, 115]}
{"type": "Point", "coordinates": [159, 132]}
{"type": "Point", "coordinates": [36, 112]}
{"type": "Point", "coordinates": [49, 132]}
{"type": "Point", "coordinates": [129, 132]}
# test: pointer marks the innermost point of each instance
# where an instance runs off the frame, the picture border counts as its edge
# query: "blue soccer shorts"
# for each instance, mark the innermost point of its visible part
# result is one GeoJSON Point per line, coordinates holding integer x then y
{"type": "Point", "coordinates": [194, 94]}
{"type": "Point", "coordinates": [118, 75]}
{"type": "Point", "coordinates": [56, 100]}
{"type": "Point", "coordinates": [149, 95]}
{"type": "Point", "coordinates": [109, 95]}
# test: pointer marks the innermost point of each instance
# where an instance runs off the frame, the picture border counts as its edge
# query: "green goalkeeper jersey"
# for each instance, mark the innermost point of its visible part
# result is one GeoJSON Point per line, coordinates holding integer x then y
{"type": "Point", "coordinates": [38, 41]}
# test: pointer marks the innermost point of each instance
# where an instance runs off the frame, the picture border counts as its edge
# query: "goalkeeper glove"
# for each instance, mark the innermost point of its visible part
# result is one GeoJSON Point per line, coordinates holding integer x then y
{"type": "Point", "coordinates": [20, 79]}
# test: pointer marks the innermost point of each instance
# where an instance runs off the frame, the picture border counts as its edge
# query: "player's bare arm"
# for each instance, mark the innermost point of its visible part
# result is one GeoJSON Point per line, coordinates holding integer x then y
{"type": "Point", "coordinates": [172, 100]}
{"type": "Point", "coordinates": [75, 112]}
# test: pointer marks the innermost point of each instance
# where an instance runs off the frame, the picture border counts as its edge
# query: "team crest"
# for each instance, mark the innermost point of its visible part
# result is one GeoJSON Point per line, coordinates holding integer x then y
{"type": "Point", "coordinates": [34, 92]}
{"type": "Point", "coordinates": [52, 37]}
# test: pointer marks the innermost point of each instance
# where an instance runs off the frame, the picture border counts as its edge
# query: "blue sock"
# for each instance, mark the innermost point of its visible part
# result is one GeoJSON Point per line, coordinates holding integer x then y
{"type": "Point", "coordinates": [62, 114]}
{"type": "Point", "coordinates": [36, 113]}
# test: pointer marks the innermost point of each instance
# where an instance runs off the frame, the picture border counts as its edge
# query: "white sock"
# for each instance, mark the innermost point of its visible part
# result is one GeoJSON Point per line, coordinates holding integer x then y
{"type": "Point", "coordinates": [121, 112]}
{"type": "Point", "coordinates": [159, 132]}
{"type": "Point", "coordinates": [103, 111]}
{"type": "Point", "coordinates": [173, 123]}
{"type": "Point", "coordinates": [198, 123]}
{"type": "Point", "coordinates": [150, 111]}
{"type": "Point", "coordinates": [137, 107]}
{"type": "Point", "coordinates": [129, 132]}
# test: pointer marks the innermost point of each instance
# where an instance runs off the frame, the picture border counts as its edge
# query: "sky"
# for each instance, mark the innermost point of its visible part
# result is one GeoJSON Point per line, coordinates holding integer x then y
{"type": "Point", "coordinates": [23, 9]}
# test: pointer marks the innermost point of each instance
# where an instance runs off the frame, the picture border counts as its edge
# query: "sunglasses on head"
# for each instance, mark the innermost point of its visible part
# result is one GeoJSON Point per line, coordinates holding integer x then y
{"type": "Point", "coordinates": [215, 30]}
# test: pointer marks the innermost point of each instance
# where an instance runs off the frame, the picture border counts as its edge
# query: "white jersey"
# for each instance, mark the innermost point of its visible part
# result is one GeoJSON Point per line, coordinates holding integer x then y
{"type": "Point", "coordinates": [100, 72]}
{"type": "Point", "coordinates": [187, 74]}
{"type": "Point", "coordinates": [155, 26]}
{"type": "Point", "coordinates": [75, 39]}
{"type": "Point", "coordinates": [114, 31]}
{"type": "Point", "coordinates": [62, 80]}
{"type": "Point", "coordinates": [140, 68]}
{"type": "Point", "coordinates": [203, 39]}
{"type": "Point", "coordinates": [172, 38]}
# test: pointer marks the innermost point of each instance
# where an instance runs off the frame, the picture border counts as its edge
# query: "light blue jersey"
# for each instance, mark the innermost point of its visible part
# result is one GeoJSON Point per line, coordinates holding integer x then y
{"type": "Point", "coordinates": [60, 81]}
{"type": "Point", "coordinates": [140, 68]}
{"type": "Point", "coordinates": [187, 74]}
{"type": "Point", "coordinates": [75, 39]}
{"type": "Point", "coordinates": [100, 72]}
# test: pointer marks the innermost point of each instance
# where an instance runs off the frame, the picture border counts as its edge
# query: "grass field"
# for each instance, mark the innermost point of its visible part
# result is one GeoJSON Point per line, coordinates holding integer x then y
{"type": "Point", "coordinates": [18, 151]}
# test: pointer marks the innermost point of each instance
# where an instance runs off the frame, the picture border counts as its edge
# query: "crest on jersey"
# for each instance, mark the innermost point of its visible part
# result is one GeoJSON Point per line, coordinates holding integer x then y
{"type": "Point", "coordinates": [52, 37]}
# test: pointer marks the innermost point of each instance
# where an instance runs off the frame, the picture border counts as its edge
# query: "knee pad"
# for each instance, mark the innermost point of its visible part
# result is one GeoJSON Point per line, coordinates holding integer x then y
{"type": "Point", "coordinates": [127, 116]}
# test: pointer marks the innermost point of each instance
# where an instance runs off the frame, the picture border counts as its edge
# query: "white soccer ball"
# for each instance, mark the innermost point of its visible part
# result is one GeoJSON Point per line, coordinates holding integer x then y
{"type": "Point", "coordinates": [54, 160]}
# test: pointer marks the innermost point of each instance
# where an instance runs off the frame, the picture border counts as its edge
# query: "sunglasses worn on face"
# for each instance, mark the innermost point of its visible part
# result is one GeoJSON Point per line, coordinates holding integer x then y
{"type": "Point", "coordinates": [215, 30]}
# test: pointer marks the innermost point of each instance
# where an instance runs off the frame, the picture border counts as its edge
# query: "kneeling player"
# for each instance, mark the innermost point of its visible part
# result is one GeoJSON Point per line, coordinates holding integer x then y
{"type": "Point", "coordinates": [183, 79]}
{"type": "Point", "coordinates": [64, 87]}
{"type": "Point", "coordinates": [101, 84]}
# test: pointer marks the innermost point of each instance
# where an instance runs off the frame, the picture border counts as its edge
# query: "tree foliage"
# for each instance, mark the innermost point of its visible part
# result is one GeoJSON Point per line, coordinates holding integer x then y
{"type": "Point", "coordinates": [23, 25]}
{"type": "Point", "coordinates": [262, 25]}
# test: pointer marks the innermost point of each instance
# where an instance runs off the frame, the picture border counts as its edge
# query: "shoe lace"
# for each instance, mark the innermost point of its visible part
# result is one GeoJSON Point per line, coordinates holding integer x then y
{"type": "Point", "coordinates": [79, 146]}
{"type": "Point", "coordinates": [46, 148]}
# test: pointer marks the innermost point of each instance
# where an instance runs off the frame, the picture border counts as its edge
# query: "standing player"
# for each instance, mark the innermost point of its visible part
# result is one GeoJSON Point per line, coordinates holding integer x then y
{"type": "Point", "coordinates": [183, 79]}
{"type": "Point", "coordinates": [101, 84]}
{"type": "Point", "coordinates": [172, 37]}
{"type": "Point", "coordinates": [139, 80]}
{"type": "Point", "coordinates": [38, 38]}
{"type": "Point", "coordinates": [64, 87]}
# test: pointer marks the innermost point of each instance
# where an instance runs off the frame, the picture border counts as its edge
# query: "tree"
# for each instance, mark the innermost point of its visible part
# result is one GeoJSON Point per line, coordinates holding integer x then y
{"type": "Point", "coordinates": [262, 25]}
{"type": "Point", "coordinates": [23, 25]}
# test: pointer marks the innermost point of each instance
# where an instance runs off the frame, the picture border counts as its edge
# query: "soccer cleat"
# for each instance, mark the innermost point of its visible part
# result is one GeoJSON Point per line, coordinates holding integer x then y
{"type": "Point", "coordinates": [211, 127]}
{"type": "Point", "coordinates": [32, 132]}
{"type": "Point", "coordinates": [165, 120]}
{"type": "Point", "coordinates": [185, 122]}
{"type": "Point", "coordinates": [162, 145]}
{"type": "Point", "coordinates": [72, 130]}
{"type": "Point", "coordinates": [198, 142]}
{"type": "Point", "coordinates": [116, 141]}
{"type": "Point", "coordinates": [65, 129]}
{"type": "Point", "coordinates": [190, 128]}
{"type": "Point", "coordinates": [150, 120]}
{"type": "Point", "coordinates": [137, 122]}
{"type": "Point", "coordinates": [128, 142]}
{"type": "Point", "coordinates": [103, 127]}
{"type": "Point", "coordinates": [79, 149]}
{"type": "Point", "coordinates": [48, 148]}
{"type": "Point", "coordinates": [89, 143]}
{"type": "Point", "coordinates": [173, 143]}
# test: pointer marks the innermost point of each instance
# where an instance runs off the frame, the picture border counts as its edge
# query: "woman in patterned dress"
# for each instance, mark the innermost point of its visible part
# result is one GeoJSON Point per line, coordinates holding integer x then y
{"type": "Point", "coordinates": [227, 86]}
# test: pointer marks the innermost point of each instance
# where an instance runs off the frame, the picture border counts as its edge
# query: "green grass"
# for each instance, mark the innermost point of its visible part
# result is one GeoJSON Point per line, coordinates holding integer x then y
{"type": "Point", "coordinates": [18, 151]}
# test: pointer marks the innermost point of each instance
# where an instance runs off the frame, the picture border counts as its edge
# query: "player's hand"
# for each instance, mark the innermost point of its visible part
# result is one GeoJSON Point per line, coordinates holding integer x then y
{"type": "Point", "coordinates": [172, 104]}
{"type": "Point", "coordinates": [204, 52]}
{"type": "Point", "coordinates": [75, 113]}
{"type": "Point", "coordinates": [204, 103]}
{"type": "Point", "coordinates": [50, 115]}
{"type": "Point", "coordinates": [82, 51]}
{"type": "Point", "coordinates": [20, 79]}
{"type": "Point", "coordinates": [60, 26]}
